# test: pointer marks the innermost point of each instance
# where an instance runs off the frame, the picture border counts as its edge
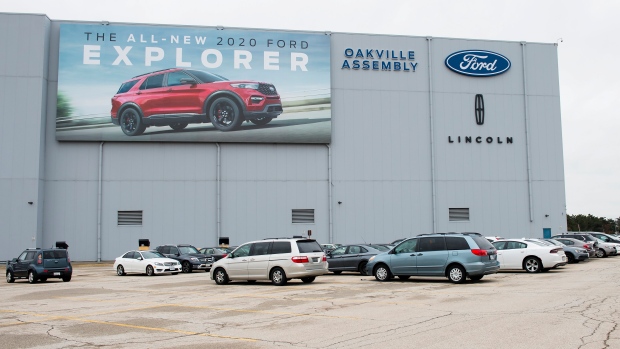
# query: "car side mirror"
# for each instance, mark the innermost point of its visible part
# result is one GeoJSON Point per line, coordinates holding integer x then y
{"type": "Point", "coordinates": [188, 82]}
{"type": "Point", "coordinates": [139, 258]}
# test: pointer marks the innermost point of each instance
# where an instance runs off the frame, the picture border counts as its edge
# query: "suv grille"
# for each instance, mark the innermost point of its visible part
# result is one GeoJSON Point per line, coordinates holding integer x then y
{"type": "Point", "coordinates": [267, 89]}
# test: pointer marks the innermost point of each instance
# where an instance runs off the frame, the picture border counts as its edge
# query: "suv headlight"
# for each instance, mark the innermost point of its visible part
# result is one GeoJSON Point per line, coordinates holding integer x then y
{"type": "Point", "coordinates": [253, 86]}
{"type": "Point", "coordinates": [194, 259]}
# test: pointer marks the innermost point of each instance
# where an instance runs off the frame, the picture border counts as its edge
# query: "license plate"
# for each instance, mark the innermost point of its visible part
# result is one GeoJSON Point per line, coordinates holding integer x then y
{"type": "Point", "coordinates": [315, 259]}
{"type": "Point", "coordinates": [493, 257]}
{"type": "Point", "coordinates": [57, 273]}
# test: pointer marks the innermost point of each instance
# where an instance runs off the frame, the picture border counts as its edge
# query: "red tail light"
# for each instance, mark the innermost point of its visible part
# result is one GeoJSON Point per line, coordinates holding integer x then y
{"type": "Point", "coordinates": [479, 252]}
{"type": "Point", "coordinates": [300, 259]}
{"type": "Point", "coordinates": [324, 259]}
{"type": "Point", "coordinates": [587, 247]}
{"type": "Point", "coordinates": [39, 259]}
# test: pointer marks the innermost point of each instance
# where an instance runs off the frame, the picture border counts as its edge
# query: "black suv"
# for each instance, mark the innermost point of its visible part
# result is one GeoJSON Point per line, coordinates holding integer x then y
{"type": "Point", "coordinates": [40, 264]}
{"type": "Point", "coordinates": [188, 256]}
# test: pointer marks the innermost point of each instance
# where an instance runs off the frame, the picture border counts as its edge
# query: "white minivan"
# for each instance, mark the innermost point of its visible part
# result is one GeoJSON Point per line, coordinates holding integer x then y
{"type": "Point", "coordinates": [278, 260]}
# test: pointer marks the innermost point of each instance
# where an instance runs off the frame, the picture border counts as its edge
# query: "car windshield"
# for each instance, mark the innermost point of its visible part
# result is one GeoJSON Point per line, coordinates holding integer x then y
{"type": "Point", "coordinates": [482, 242]}
{"type": "Point", "coordinates": [306, 246]}
{"type": "Point", "coordinates": [539, 243]}
{"type": "Point", "coordinates": [151, 254]}
{"type": "Point", "coordinates": [206, 77]}
{"type": "Point", "coordinates": [589, 237]}
{"type": "Point", "coordinates": [380, 247]}
{"type": "Point", "coordinates": [555, 242]}
{"type": "Point", "coordinates": [188, 249]}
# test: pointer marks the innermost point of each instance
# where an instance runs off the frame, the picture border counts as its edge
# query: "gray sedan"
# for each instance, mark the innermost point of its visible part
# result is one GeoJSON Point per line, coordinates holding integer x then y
{"type": "Point", "coordinates": [351, 258]}
{"type": "Point", "coordinates": [588, 246]}
{"type": "Point", "coordinates": [575, 254]}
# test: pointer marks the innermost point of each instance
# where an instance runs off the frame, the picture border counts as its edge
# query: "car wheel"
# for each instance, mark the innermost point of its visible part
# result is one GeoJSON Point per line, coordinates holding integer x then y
{"type": "Point", "coordinates": [66, 278]}
{"type": "Point", "coordinates": [31, 277]}
{"type": "Point", "coordinates": [149, 270]}
{"type": "Point", "coordinates": [220, 276]}
{"type": "Point", "coordinates": [382, 273]}
{"type": "Point", "coordinates": [456, 274]}
{"type": "Point", "coordinates": [337, 272]}
{"type": "Point", "coordinates": [186, 267]}
{"type": "Point", "coordinates": [362, 268]}
{"type": "Point", "coordinates": [404, 277]}
{"type": "Point", "coordinates": [131, 122]}
{"type": "Point", "coordinates": [261, 121]}
{"type": "Point", "coordinates": [120, 271]}
{"type": "Point", "coordinates": [278, 277]}
{"type": "Point", "coordinates": [571, 258]}
{"type": "Point", "coordinates": [532, 265]}
{"type": "Point", "coordinates": [600, 253]}
{"type": "Point", "coordinates": [177, 126]}
{"type": "Point", "coordinates": [224, 114]}
{"type": "Point", "coordinates": [476, 277]}
{"type": "Point", "coordinates": [308, 279]}
{"type": "Point", "coordinates": [10, 278]}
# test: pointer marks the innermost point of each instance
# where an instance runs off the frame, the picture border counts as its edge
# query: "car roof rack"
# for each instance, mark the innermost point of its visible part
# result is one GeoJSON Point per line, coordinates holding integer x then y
{"type": "Point", "coordinates": [156, 71]}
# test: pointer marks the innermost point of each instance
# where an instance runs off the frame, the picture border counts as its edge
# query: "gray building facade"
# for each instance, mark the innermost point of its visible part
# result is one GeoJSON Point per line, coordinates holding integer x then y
{"type": "Point", "coordinates": [407, 156]}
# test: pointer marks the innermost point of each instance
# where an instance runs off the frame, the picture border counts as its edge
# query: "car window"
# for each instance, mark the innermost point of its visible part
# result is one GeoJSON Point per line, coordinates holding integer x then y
{"type": "Point", "coordinates": [354, 249]}
{"type": "Point", "coordinates": [174, 78]}
{"type": "Point", "coordinates": [407, 246]}
{"type": "Point", "coordinates": [436, 243]}
{"type": "Point", "coordinates": [137, 255]}
{"type": "Point", "coordinates": [260, 249]}
{"type": "Point", "coordinates": [127, 86]}
{"type": "Point", "coordinates": [566, 242]}
{"type": "Point", "coordinates": [242, 251]}
{"type": "Point", "coordinates": [456, 243]}
{"type": "Point", "coordinates": [22, 256]}
{"type": "Point", "coordinates": [308, 246]}
{"type": "Point", "coordinates": [482, 242]}
{"type": "Point", "coordinates": [154, 81]}
{"type": "Point", "coordinates": [173, 250]}
{"type": "Point", "coordinates": [555, 242]}
{"type": "Point", "coordinates": [30, 255]}
{"type": "Point", "coordinates": [188, 249]}
{"type": "Point", "coordinates": [539, 243]}
{"type": "Point", "coordinates": [209, 251]}
{"type": "Point", "coordinates": [56, 254]}
{"type": "Point", "coordinates": [500, 245]}
{"type": "Point", "coordinates": [279, 247]}
{"type": "Point", "coordinates": [164, 249]}
{"type": "Point", "coordinates": [380, 248]}
{"type": "Point", "coordinates": [339, 251]}
{"type": "Point", "coordinates": [603, 237]}
{"type": "Point", "coordinates": [128, 254]}
{"type": "Point", "coordinates": [513, 245]}
{"type": "Point", "coordinates": [206, 77]}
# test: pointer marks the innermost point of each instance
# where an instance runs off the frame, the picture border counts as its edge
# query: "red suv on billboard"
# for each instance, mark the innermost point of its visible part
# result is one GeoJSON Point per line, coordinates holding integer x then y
{"type": "Point", "coordinates": [177, 97]}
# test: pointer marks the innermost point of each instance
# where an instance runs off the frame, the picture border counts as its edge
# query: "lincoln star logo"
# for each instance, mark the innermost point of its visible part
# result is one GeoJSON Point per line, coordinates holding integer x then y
{"type": "Point", "coordinates": [477, 63]}
{"type": "Point", "coordinates": [479, 109]}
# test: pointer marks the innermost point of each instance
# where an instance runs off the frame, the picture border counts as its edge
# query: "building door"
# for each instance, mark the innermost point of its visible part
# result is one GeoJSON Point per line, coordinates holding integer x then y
{"type": "Point", "coordinates": [547, 233]}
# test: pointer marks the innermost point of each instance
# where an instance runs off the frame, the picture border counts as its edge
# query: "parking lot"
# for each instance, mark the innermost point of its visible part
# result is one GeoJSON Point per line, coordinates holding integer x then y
{"type": "Point", "coordinates": [576, 306]}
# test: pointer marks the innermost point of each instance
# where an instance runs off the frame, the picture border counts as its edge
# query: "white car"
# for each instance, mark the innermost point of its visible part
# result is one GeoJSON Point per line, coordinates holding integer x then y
{"type": "Point", "coordinates": [278, 260]}
{"type": "Point", "coordinates": [145, 262]}
{"type": "Point", "coordinates": [532, 256]}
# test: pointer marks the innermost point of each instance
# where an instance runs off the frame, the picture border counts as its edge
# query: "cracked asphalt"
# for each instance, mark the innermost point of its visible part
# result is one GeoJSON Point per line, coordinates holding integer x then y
{"type": "Point", "coordinates": [575, 306]}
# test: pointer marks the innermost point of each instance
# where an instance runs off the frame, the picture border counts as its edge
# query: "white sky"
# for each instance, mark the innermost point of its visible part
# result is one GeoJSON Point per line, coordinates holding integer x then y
{"type": "Point", "coordinates": [589, 76]}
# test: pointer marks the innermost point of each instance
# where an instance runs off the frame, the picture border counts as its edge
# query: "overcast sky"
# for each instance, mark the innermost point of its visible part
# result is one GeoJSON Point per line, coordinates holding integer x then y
{"type": "Point", "coordinates": [588, 53]}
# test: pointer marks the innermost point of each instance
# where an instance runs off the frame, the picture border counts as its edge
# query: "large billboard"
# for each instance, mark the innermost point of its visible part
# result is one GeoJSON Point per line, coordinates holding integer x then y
{"type": "Point", "coordinates": [192, 84]}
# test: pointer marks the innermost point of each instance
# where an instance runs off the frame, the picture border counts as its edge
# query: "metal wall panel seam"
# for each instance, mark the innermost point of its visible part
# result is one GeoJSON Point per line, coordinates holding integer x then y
{"type": "Point", "coordinates": [99, 201]}
{"type": "Point", "coordinates": [527, 133]}
{"type": "Point", "coordinates": [329, 193]}
{"type": "Point", "coordinates": [430, 106]}
{"type": "Point", "coordinates": [218, 190]}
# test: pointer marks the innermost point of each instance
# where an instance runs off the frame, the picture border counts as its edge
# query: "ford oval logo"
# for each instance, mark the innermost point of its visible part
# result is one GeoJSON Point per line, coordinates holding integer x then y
{"type": "Point", "coordinates": [477, 63]}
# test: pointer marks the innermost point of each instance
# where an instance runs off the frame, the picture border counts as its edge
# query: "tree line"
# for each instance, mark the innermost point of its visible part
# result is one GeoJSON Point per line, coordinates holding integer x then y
{"type": "Point", "coordinates": [580, 222]}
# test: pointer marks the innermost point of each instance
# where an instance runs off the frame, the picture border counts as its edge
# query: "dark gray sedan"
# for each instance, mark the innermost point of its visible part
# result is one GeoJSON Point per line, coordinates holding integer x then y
{"type": "Point", "coordinates": [575, 254]}
{"type": "Point", "coordinates": [352, 257]}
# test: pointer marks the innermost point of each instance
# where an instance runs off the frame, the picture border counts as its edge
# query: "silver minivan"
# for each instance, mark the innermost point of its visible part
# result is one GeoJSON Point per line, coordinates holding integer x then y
{"type": "Point", "coordinates": [278, 260]}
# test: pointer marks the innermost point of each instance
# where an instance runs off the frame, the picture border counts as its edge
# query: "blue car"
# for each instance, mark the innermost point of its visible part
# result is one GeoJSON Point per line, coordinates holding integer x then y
{"type": "Point", "coordinates": [452, 255]}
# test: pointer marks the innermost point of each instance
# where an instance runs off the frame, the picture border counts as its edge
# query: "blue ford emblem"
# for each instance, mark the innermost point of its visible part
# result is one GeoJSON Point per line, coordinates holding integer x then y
{"type": "Point", "coordinates": [477, 63]}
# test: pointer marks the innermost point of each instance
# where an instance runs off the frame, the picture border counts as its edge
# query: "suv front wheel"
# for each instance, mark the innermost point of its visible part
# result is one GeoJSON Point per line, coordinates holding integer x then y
{"type": "Point", "coordinates": [31, 277]}
{"type": "Point", "coordinates": [9, 277]}
{"type": "Point", "coordinates": [224, 114]}
{"type": "Point", "coordinates": [131, 122]}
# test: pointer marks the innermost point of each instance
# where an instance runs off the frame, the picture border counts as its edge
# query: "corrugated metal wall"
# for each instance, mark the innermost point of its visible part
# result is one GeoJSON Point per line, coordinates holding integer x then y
{"type": "Point", "coordinates": [382, 178]}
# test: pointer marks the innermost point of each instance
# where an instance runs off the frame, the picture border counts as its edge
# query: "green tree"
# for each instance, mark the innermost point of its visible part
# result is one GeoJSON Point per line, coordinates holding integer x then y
{"type": "Point", "coordinates": [63, 106]}
{"type": "Point", "coordinates": [589, 222]}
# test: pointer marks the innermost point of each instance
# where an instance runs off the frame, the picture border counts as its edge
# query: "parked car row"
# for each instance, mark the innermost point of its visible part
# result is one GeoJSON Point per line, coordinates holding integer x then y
{"type": "Point", "coordinates": [457, 256]}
